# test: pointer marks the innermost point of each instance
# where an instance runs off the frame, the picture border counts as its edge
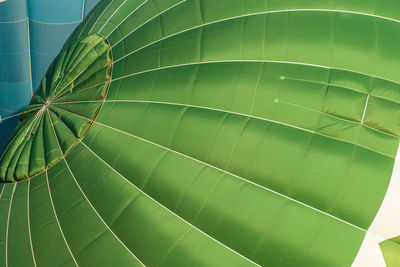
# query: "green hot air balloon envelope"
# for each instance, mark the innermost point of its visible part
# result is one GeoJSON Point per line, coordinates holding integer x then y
{"type": "Point", "coordinates": [211, 133]}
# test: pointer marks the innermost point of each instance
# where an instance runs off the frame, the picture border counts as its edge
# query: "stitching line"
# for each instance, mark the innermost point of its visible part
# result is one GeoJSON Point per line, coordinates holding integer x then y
{"type": "Point", "coordinates": [29, 222]}
{"type": "Point", "coordinates": [8, 222]}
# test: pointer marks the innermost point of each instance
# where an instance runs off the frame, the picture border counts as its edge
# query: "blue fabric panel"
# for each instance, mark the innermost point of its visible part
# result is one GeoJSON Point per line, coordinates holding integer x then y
{"type": "Point", "coordinates": [55, 11]}
{"type": "Point", "coordinates": [42, 51]}
{"type": "Point", "coordinates": [14, 10]}
{"type": "Point", "coordinates": [14, 37]}
{"type": "Point", "coordinates": [14, 67]}
{"type": "Point", "coordinates": [15, 84]}
{"type": "Point", "coordinates": [40, 33]}
{"type": "Point", "coordinates": [14, 98]}
{"type": "Point", "coordinates": [40, 64]}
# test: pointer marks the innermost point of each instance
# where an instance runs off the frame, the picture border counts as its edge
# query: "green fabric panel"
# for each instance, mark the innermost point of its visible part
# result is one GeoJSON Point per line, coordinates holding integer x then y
{"type": "Point", "coordinates": [215, 202]}
{"type": "Point", "coordinates": [37, 161]}
{"type": "Point", "coordinates": [343, 103]}
{"type": "Point", "coordinates": [141, 18]}
{"type": "Point", "coordinates": [19, 246]}
{"type": "Point", "coordinates": [108, 8]}
{"type": "Point", "coordinates": [309, 105]}
{"type": "Point", "coordinates": [51, 144]}
{"type": "Point", "coordinates": [66, 138]}
{"type": "Point", "coordinates": [5, 204]}
{"type": "Point", "coordinates": [154, 232]}
{"type": "Point", "coordinates": [254, 146]}
{"type": "Point", "coordinates": [91, 241]}
{"type": "Point", "coordinates": [391, 251]}
{"type": "Point", "coordinates": [48, 243]}
{"type": "Point", "coordinates": [130, 22]}
{"type": "Point", "coordinates": [383, 114]}
{"type": "Point", "coordinates": [89, 22]}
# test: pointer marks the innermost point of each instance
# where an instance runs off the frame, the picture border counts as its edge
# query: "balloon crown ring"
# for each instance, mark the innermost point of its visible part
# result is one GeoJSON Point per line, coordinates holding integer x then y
{"type": "Point", "coordinates": [61, 111]}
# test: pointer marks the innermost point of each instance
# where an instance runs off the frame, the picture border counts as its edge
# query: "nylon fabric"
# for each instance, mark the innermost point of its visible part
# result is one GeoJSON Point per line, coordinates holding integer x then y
{"type": "Point", "coordinates": [209, 133]}
{"type": "Point", "coordinates": [391, 251]}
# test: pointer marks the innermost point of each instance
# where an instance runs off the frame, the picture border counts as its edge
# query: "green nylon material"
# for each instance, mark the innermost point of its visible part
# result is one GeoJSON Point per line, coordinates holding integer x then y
{"type": "Point", "coordinates": [213, 133]}
{"type": "Point", "coordinates": [391, 251]}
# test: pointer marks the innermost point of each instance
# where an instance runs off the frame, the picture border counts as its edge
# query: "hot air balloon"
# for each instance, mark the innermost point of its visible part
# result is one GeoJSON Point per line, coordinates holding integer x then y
{"type": "Point", "coordinates": [32, 34]}
{"type": "Point", "coordinates": [211, 133]}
